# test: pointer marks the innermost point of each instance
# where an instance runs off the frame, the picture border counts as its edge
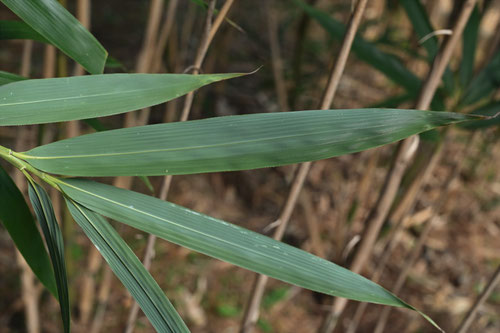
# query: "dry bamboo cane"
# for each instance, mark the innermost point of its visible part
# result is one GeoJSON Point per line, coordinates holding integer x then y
{"type": "Point", "coordinates": [252, 311]}
{"type": "Point", "coordinates": [277, 63]}
{"type": "Point", "coordinates": [404, 154]}
{"type": "Point", "coordinates": [413, 256]}
{"type": "Point", "coordinates": [28, 288]}
{"type": "Point", "coordinates": [469, 318]}
{"type": "Point", "coordinates": [95, 259]}
{"type": "Point", "coordinates": [208, 35]}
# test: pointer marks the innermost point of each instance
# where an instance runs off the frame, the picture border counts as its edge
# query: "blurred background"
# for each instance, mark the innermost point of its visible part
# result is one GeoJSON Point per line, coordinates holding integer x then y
{"type": "Point", "coordinates": [442, 235]}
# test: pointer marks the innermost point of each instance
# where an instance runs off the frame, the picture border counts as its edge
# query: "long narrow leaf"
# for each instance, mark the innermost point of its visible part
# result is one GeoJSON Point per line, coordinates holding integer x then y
{"type": "Point", "coordinates": [46, 217]}
{"type": "Point", "coordinates": [484, 83]}
{"type": "Point", "coordinates": [81, 97]}
{"type": "Point", "coordinates": [386, 63]}
{"type": "Point", "coordinates": [19, 30]}
{"type": "Point", "coordinates": [490, 110]}
{"type": "Point", "coordinates": [51, 20]}
{"type": "Point", "coordinates": [422, 25]}
{"type": "Point", "coordinates": [232, 143]}
{"type": "Point", "coordinates": [6, 77]}
{"type": "Point", "coordinates": [469, 48]}
{"type": "Point", "coordinates": [226, 241]}
{"type": "Point", "coordinates": [128, 269]}
{"type": "Point", "coordinates": [17, 219]}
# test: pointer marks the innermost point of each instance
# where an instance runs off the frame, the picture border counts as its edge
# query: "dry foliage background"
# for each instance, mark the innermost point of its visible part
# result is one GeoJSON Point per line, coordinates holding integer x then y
{"type": "Point", "coordinates": [458, 257]}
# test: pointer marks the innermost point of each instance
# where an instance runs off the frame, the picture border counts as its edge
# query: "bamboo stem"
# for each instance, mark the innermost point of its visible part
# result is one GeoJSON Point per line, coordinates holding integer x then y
{"type": "Point", "coordinates": [252, 310]}
{"type": "Point", "coordinates": [404, 155]}
{"type": "Point", "coordinates": [469, 318]}
{"type": "Point", "coordinates": [28, 287]}
{"type": "Point", "coordinates": [208, 35]}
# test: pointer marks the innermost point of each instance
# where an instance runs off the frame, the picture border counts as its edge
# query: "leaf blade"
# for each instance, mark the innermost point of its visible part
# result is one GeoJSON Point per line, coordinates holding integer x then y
{"type": "Point", "coordinates": [39, 101]}
{"type": "Point", "coordinates": [227, 242]}
{"type": "Point", "coordinates": [53, 237]}
{"type": "Point", "coordinates": [51, 20]}
{"type": "Point", "coordinates": [128, 269]}
{"type": "Point", "coordinates": [232, 143]}
{"type": "Point", "coordinates": [17, 219]}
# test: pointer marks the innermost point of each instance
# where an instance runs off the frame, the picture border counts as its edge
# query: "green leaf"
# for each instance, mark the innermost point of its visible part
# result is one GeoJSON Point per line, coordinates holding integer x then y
{"type": "Point", "coordinates": [129, 270]}
{"type": "Point", "coordinates": [484, 83]}
{"type": "Point", "coordinates": [51, 20]}
{"type": "Point", "coordinates": [53, 237]}
{"type": "Point", "coordinates": [19, 30]}
{"type": "Point", "coordinates": [233, 142]}
{"type": "Point", "coordinates": [80, 97]}
{"type": "Point", "coordinates": [386, 63]}
{"type": "Point", "coordinates": [422, 25]}
{"type": "Point", "coordinates": [17, 219]}
{"type": "Point", "coordinates": [6, 77]}
{"type": "Point", "coordinates": [226, 241]}
{"type": "Point", "coordinates": [469, 48]}
{"type": "Point", "coordinates": [490, 110]}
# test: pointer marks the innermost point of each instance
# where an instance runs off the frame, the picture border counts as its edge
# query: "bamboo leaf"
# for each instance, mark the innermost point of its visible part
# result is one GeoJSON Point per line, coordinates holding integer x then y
{"type": "Point", "coordinates": [51, 20]}
{"type": "Point", "coordinates": [386, 63]}
{"type": "Point", "coordinates": [484, 83]}
{"type": "Point", "coordinates": [53, 237]}
{"type": "Point", "coordinates": [232, 143]}
{"type": "Point", "coordinates": [226, 241]}
{"type": "Point", "coordinates": [18, 221]}
{"type": "Point", "coordinates": [19, 30]}
{"type": "Point", "coordinates": [469, 47]}
{"type": "Point", "coordinates": [422, 25]}
{"type": "Point", "coordinates": [491, 110]}
{"type": "Point", "coordinates": [81, 97]}
{"type": "Point", "coordinates": [128, 269]}
{"type": "Point", "coordinates": [6, 77]}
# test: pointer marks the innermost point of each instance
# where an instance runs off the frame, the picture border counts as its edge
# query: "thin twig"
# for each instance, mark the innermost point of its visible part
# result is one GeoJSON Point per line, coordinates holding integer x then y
{"type": "Point", "coordinates": [252, 310]}
{"type": "Point", "coordinates": [409, 262]}
{"type": "Point", "coordinates": [202, 51]}
{"type": "Point", "coordinates": [28, 287]}
{"type": "Point", "coordinates": [469, 318]}
{"type": "Point", "coordinates": [208, 35]}
{"type": "Point", "coordinates": [392, 241]}
{"type": "Point", "coordinates": [277, 63]}
{"type": "Point", "coordinates": [404, 155]}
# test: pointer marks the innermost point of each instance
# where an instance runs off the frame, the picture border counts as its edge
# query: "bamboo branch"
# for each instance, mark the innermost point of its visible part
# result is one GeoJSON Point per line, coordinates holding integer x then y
{"type": "Point", "coordinates": [252, 311]}
{"type": "Point", "coordinates": [403, 156]}
{"type": "Point", "coordinates": [208, 35]}
{"type": "Point", "coordinates": [28, 287]}
{"type": "Point", "coordinates": [469, 318]}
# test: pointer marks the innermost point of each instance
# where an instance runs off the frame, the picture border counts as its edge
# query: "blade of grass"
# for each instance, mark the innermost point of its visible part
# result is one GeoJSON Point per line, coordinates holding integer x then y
{"type": "Point", "coordinates": [233, 142]}
{"type": "Point", "coordinates": [484, 83]}
{"type": "Point", "coordinates": [128, 269]}
{"type": "Point", "coordinates": [18, 221]}
{"type": "Point", "coordinates": [422, 25]}
{"type": "Point", "coordinates": [51, 20]}
{"type": "Point", "coordinates": [80, 97]}
{"type": "Point", "coordinates": [469, 49]}
{"type": "Point", "coordinates": [53, 237]}
{"type": "Point", "coordinates": [6, 77]}
{"type": "Point", "coordinates": [19, 30]}
{"type": "Point", "coordinates": [225, 241]}
{"type": "Point", "coordinates": [386, 63]}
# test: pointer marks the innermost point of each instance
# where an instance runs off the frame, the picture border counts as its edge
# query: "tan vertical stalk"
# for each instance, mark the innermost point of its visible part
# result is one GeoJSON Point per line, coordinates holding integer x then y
{"type": "Point", "coordinates": [403, 157]}
{"type": "Point", "coordinates": [144, 63]}
{"type": "Point", "coordinates": [277, 63]}
{"type": "Point", "coordinates": [392, 241]}
{"type": "Point", "coordinates": [252, 311]}
{"type": "Point", "coordinates": [469, 318]}
{"type": "Point", "coordinates": [29, 292]}
{"type": "Point", "coordinates": [413, 256]}
{"type": "Point", "coordinates": [208, 35]}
